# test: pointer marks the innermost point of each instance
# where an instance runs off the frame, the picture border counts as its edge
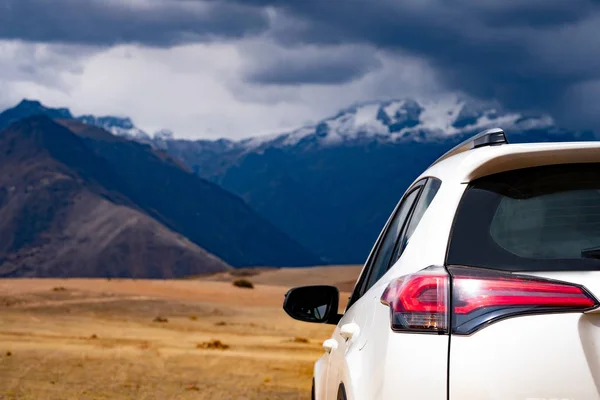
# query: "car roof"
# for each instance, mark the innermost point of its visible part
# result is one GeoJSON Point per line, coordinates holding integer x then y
{"type": "Point", "coordinates": [472, 164]}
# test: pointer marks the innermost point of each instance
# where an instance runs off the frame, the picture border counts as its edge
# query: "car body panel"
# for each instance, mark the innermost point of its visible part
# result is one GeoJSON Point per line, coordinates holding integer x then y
{"type": "Point", "coordinates": [388, 360]}
{"type": "Point", "coordinates": [366, 362]}
{"type": "Point", "coordinates": [473, 164]}
{"type": "Point", "coordinates": [320, 376]}
{"type": "Point", "coordinates": [550, 356]}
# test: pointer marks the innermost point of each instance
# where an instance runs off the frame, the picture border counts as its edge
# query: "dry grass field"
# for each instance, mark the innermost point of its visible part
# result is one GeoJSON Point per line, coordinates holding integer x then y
{"type": "Point", "coordinates": [136, 339]}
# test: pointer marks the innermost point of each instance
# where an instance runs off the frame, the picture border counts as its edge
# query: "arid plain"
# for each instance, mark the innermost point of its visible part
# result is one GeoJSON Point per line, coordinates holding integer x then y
{"type": "Point", "coordinates": [180, 339]}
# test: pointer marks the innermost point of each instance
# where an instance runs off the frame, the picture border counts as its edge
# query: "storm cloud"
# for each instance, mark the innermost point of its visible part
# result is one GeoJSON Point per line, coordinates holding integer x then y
{"type": "Point", "coordinates": [541, 55]}
{"type": "Point", "coordinates": [311, 64]}
{"type": "Point", "coordinates": [111, 22]}
{"type": "Point", "coordinates": [525, 53]}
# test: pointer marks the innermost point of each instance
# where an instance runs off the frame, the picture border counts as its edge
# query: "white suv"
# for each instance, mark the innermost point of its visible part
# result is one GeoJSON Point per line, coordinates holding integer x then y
{"type": "Point", "coordinates": [484, 283]}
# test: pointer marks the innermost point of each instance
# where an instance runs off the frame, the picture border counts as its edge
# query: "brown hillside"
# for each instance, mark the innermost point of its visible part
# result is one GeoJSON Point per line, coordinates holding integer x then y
{"type": "Point", "coordinates": [62, 213]}
{"type": "Point", "coordinates": [203, 212]}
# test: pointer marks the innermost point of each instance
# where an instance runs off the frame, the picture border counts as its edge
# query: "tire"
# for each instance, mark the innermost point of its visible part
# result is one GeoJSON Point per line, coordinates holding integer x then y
{"type": "Point", "coordinates": [312, 391]}
{"type": "Point", "coordinates": [341, 393]}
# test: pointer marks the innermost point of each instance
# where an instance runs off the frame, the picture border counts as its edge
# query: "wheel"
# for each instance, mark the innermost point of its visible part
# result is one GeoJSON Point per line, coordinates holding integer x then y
{"type": "Point", "coordinates": [341, 393]}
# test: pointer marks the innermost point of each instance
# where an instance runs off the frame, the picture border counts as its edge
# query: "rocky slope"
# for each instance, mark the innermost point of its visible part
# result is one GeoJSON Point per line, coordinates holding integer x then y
{"type": "Point", "coordinates": [63, 213]}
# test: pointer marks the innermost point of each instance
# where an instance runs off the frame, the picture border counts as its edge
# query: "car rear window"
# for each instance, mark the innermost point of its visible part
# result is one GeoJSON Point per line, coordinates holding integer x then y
{"type": "Point", "coordinates": [534, 219]}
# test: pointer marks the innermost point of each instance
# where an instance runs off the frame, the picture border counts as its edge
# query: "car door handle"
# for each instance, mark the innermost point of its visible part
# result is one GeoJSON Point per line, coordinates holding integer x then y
{"type": "Point", "coordinates": [348, 331]}
{"type": "Point", "coordinates": [329, 345]}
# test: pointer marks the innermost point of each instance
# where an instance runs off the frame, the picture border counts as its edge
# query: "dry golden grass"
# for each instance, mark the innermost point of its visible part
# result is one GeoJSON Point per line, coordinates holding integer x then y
{"type": "Point", "coordinates": [98, 339]}
{"type": "Point", "coordinates": [342, 276]}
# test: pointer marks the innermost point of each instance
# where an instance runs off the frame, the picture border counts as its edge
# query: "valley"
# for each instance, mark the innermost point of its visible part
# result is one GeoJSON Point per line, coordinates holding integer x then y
{"type": "Point", "coordinates": [319, 194]}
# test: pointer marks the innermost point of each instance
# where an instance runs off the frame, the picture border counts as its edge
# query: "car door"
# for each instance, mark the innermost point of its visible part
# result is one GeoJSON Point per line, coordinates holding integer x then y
{"type": "Point", "coordinates": [382, 375]}
{"type": "Point", "coordinates": [350, 335]}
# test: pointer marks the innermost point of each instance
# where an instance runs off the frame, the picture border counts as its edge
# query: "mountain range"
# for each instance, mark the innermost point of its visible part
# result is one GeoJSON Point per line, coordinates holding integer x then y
{"type": "Point", "coordinates": [63, 213]}
{"type": "Point", "coordinates": [332, 185]}
{"type": "Point", "coordinates": [76, 200]}
{"type": "Point", "coordinates": [324, 190]}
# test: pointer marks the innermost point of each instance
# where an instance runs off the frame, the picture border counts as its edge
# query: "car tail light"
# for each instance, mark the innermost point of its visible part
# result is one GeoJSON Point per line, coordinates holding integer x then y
{"type": "Point", "coordinates": [419, 302]}
{"type": "Point", "coordinates": [426, 302]}
{"type": "Point", "coordinates": [481, 297]}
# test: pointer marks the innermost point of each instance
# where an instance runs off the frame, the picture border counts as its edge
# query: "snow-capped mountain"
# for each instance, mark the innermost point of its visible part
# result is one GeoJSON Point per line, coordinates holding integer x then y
{"type": "Point", "coordinates": [331, 185]}
{"type": "Point", "coordinates": [134, 177]}
{"type": "Point", "coordinates": [392, 121]}
{"type": "Point", "coordinates": [164, 134]}
{"type": "Point", "coordinates": [119, 126]}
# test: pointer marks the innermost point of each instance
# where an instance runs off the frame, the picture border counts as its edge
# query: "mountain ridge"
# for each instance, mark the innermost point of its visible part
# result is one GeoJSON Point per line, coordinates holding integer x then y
{"type": "Point", "coordinates": [117, 125]}
{"type": "Point", "coordinates": [166, 189]}
{"type": "Point", "coordinates": [393, 121]}
{"type": "Point", "coordinates": [63, 213]}
{"type": "Point", "coordinates": [204, 212]}
{"type": "Point", "coordinates": [331, 185]}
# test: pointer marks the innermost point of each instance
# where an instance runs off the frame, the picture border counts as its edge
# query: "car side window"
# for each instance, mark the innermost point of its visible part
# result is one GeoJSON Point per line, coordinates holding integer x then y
{"type": "Point", "coordinates": [379, 265]}
{"type": "Point", "coordinates": [427, 195]}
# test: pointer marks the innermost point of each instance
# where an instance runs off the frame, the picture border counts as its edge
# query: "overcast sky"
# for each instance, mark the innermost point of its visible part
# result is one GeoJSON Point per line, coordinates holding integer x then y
{"type": "Point", "coordinates": [238, 68]}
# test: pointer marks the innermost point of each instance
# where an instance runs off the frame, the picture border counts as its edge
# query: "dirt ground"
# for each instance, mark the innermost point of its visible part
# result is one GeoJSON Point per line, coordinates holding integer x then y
{"type": "Point", "coordinates": [135, 339]}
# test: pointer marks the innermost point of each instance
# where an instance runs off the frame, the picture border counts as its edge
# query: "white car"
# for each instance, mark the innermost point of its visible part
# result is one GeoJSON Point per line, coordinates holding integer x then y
{"type": "Point", "coordinates": [484, 283]}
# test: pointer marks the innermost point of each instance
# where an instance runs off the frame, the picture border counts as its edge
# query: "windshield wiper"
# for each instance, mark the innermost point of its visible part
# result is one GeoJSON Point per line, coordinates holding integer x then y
{"type": "Point", "coordinates": [592, 252]}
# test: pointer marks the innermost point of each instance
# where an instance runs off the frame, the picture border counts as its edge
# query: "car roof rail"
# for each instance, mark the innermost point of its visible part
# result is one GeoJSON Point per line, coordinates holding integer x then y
{"type": "Point", "coordinates": [489, 137]}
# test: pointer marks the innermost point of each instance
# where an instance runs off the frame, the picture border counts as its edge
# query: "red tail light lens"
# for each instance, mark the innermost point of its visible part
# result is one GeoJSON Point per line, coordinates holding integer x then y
{"type": "Point", "coordinates": [481, 297]}
{"type": "Point", "coordinates": [420, 302]}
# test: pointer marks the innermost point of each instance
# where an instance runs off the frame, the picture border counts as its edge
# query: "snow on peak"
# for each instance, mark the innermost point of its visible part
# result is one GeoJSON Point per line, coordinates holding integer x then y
{"type": "Point", "coordinates": [394, 120]}
{"type": "Point", "coordinates": [118, 126]}
{"type": "Point", "coordinates": [387, 121]}
{"type": "Point", "coordinates": [163, 134]}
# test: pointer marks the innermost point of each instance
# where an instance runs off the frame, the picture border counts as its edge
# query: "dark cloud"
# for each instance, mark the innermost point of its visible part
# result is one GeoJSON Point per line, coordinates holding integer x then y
{"type": "Point", "coordinates": [110, 22]}
{"type": "Point", "coordinates": [525, 53]}
{"type": "Point", "coordinates": [312, 65]}
{"type": "Point", "coordinates": [535, 54]}
{"type": "Point", "coordinates": [36, 64]}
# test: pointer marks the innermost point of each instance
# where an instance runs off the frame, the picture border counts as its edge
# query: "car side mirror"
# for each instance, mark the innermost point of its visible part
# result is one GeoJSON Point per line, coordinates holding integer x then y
{"type": "Point", "coordinates": [317, 304]}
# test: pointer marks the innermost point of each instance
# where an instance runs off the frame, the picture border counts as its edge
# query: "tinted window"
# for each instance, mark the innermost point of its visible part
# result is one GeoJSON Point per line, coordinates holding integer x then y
{"type": "Point", "coordinates": [388, 242]}
{"type": "Point", "coordinates": [429, 191]}
{"type": "Point", "coordinates": [533, 219]}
